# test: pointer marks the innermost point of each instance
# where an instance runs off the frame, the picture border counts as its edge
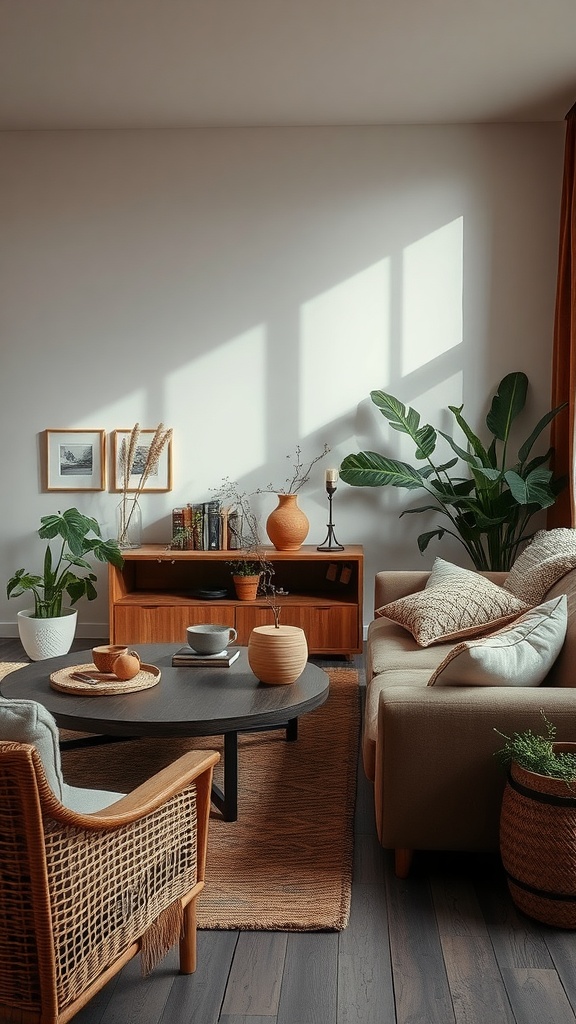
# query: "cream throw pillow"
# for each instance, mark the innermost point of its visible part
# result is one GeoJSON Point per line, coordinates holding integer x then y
{"type": "Point", "coordinates": [461, 604]}
{"type": "Point", "coordinates": [521, 654]}
{"type": "Point", "coordinates": [549, 556]}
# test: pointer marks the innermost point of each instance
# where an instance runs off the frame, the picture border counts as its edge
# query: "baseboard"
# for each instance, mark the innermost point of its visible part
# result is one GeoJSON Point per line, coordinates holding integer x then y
{"type": "Point", "coordinates": [84, 630]}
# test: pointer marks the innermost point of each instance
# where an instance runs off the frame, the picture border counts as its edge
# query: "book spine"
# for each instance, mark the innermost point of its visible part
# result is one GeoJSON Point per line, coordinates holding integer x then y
{"type": "Point", "coordinates": [198, 526]}
{"type": "Point", "coordinates": [177, 528]}
{"type": "Point", "coordinates": [213, 521]}
{"type": "Point", "coordinates": [224, 529]}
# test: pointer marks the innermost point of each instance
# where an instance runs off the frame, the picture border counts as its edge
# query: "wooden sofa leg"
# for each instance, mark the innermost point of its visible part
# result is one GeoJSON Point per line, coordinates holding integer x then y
{"type": "Point", "coordinates": [402, 862]}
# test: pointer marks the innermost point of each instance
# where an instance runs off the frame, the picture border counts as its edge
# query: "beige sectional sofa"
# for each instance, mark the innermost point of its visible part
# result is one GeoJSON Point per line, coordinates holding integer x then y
{"type": "Point", "coordinates": [429, 749]}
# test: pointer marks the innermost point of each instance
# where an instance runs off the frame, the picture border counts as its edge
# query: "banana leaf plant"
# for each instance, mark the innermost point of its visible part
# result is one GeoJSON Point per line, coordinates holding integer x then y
{"type": "Point", "coordinates": [80, 535]}
{"type": "Point", "coordinates": [488, 510]}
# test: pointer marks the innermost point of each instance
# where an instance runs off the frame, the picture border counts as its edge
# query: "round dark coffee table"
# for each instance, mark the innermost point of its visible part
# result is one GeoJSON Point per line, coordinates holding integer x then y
{"type": "Point", "coordinates": [186, 702]}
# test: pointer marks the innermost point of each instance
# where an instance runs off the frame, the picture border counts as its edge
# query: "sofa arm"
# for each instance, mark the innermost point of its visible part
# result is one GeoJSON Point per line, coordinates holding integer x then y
{"type": "Point", "coordinates": [437, 782]}
{"type": "Point", "coordinates": [392, 584]}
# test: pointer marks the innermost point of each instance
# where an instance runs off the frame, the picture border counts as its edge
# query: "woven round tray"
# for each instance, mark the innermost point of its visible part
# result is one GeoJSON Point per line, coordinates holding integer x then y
{"type": "Point", "coordinates": [148, 676]}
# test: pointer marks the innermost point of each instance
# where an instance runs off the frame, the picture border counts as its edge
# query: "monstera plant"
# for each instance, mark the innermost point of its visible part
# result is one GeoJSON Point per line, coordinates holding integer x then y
{"type": "Point", "coordinates": [490, 508]}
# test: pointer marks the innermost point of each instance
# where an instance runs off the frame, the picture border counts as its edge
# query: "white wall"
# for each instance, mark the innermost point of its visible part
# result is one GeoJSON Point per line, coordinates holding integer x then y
{"type": "Point", "coordinates": [249, 288]}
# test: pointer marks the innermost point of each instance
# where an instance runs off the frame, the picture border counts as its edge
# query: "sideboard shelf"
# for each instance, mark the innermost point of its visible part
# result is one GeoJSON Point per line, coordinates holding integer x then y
{"type": "Point", "coordinates": [152, 598]}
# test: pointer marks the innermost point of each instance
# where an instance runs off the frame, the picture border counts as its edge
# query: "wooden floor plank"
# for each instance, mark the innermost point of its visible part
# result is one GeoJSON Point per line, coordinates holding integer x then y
{"type": "Point", "coordinates": [135, 998]}
{"type": "Point", "coordinates": [309, 986]}
{"type": "Point", "coordinates": [365, 989]}
{"type": "Point", "coordinates": [561, 946]}
{"type": "Point", "coordinates": [517, 940]}
{"type": "Point", "coordinates": [256, 975]}
{"type": "Point", "coordinates": [420, 982]}
{"type": "Point", "coordinates": [200, 996]}
{"type": "Point", "coordinates": [478, 992]}
{"type": "Point", "coordinates": [537, 996]}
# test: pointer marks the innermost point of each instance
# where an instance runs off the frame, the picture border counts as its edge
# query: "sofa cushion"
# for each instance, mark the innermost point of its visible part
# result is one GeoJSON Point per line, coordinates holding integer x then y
{"type": "Point", "coordinates": [550, 555]}
{"type": "Point", "coordinates": [461, 604]}
{"type": "Point", "coordinates": [520, 654]}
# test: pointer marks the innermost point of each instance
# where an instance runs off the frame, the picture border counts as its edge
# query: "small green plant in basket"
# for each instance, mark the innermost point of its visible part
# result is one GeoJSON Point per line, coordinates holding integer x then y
{"type": "Point", "coordinates": [535, 752]}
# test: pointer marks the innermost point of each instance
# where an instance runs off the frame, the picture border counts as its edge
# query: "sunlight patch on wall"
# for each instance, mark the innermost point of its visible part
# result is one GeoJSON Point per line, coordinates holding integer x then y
{"type": "Point", "coordinates": [432, 295]}
{"type": "Point", "coordinates": [344, 346]}
{"type": "Point", "coordinates": [227, 432]}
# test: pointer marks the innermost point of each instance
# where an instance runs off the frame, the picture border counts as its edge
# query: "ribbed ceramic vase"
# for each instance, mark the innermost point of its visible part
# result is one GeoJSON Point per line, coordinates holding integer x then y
{"type": "Point", "coordinates": [277, 654]}
{"type": "Point", "coordinates": [287, 526]}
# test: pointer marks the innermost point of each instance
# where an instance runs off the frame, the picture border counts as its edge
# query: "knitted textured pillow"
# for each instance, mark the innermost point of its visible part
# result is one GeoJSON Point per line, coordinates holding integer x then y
{"type": "Point", "coordinates": [550, 555]}
{"type": "Point", "coordinates": [520, 654]}
{"type": "Point", "coordinates": [462, 604]}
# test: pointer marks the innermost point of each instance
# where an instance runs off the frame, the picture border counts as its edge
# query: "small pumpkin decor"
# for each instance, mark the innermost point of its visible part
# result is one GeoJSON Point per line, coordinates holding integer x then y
{"type": "Point", "coordinates": [126, 666]}
{"type": "Point", "coordinates": [277, 654]}
{"type": "Point", "coordinates": [538, 825]}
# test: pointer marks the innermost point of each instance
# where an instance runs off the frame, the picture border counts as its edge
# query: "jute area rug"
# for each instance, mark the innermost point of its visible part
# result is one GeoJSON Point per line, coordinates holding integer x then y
{"type": "Point", "coordinates": [286, 864]}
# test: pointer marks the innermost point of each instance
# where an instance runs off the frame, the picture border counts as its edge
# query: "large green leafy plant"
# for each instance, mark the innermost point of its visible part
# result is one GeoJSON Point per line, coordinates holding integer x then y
{"type": "Point", "coordinates": [488, 510]}
{"type": "Point", "coordinates": [78, 535]}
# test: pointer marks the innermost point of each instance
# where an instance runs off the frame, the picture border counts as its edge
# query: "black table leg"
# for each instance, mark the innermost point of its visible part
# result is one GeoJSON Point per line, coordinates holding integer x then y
{"type": "Point", "coordinates": [227, 800]}
{"type": "Point", "coordinates": [292, 729]}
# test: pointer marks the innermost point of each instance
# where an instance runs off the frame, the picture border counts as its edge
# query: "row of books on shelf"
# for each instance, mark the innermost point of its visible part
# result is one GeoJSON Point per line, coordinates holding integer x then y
{"type": "Point", "coordinates": [206, 526]}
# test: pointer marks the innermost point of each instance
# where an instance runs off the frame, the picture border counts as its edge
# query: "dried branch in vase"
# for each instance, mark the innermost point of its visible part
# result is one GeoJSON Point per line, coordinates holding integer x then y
{"type": "Point", "coordinates": [127, 457]}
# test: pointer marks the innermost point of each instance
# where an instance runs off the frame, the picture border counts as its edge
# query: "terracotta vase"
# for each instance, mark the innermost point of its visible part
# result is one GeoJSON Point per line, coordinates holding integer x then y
{"type": "Point", "coordinates": [277, 654]}
{"type": "Point", "coordinates": [538, 844]}
{"type": "Point", "coordinates": [246, 587]}
{"type": "Point", "coordinates": [287, 526]}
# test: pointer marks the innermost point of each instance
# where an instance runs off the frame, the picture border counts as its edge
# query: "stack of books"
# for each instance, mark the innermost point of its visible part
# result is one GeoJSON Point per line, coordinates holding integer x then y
{"type": "Point", "coordinates": [205, 526]}
{"type": "Point", "coordinates": [185, 656]}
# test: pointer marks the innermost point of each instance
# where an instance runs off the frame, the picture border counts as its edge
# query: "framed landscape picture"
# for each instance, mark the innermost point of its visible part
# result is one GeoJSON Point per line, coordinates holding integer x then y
{"type": "Point", "coordinates": [74, 460]}
{"type": "Point", "coordinates": [160, 479]}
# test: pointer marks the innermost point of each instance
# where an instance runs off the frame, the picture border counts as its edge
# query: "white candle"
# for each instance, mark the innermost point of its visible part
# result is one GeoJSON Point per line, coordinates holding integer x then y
{"type": "Point", "coordinates": [331, 476]}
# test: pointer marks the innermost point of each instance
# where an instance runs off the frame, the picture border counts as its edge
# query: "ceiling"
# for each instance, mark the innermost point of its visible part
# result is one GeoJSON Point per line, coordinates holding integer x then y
{"type": "Point", "coordinates": [197, 63]}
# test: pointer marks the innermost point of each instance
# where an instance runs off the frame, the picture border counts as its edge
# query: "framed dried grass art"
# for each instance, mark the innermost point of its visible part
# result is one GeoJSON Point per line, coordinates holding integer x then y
{"type": "Point", "coordinates": [149, 470]}
{"type": "Point", "coordinates": [74, 460]}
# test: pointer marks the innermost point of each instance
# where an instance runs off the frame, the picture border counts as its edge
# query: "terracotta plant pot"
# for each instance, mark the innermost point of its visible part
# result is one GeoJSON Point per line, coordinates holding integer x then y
{"type": "Point", "coordinates": [246, 587]}
{"type": "Point", "coordinates": [277, 654]}
{"type": "Point", "coordinates": [538, 844]}
{"type": "Point", "coordinates": [287, 526]}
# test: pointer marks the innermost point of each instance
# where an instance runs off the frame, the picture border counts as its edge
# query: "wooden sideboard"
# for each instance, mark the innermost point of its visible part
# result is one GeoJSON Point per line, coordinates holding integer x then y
{"type": "Point", "coordinates": [153, 598]}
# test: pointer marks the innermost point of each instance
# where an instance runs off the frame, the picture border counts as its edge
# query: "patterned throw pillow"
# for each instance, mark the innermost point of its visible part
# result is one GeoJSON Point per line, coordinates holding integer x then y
{"type": "Point", "coordinates": [520, 654]}
{"type": "Point", "coordinates": [550, 555]}
{"type": "Point", "coordinates": [462, 604]}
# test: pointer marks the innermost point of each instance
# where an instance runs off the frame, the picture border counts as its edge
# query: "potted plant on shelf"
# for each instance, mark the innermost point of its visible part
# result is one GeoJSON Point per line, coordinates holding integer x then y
{"type": "Point", "coordinates": [538, 824]}
{"type": "Point", "coordinates": [47, 630]}
{"type": "Point", "coordinates": [488, 510]}
{"type": "Point", "coordinates": [287, 525]}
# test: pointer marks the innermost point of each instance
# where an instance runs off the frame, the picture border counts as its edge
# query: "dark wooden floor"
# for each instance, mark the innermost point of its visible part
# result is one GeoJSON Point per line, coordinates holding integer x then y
{"type": "Point", "coordinates": [445, 946]}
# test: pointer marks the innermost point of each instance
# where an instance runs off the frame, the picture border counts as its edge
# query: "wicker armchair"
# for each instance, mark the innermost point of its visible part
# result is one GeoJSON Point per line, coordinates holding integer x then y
{"type": "Point", "coordinates": [81, 894]}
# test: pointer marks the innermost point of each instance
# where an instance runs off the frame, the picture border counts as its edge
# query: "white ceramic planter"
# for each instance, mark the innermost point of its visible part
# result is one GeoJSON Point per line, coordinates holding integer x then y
{"type": "Point", "coordinates": [46, 638]}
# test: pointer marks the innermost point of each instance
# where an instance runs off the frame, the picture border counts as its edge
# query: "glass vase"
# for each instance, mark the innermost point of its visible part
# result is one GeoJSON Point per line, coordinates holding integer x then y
{"type": "Point", "coordinates": [129, 523]}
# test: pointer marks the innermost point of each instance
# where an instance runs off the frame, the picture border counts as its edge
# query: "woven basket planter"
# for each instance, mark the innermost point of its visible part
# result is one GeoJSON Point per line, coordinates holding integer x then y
{"type": "Point", "coordinates": [538, 844]}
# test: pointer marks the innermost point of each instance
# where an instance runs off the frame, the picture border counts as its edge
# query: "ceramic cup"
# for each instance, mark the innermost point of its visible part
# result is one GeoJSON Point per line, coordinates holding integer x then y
{"type": "Point", "coordinates": [105, 656]}
{"type": "Point", "coordinates": [210, 639]}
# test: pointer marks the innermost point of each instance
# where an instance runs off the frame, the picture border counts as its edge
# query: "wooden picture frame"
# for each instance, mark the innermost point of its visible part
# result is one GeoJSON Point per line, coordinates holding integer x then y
{"type": "Point", "coordinates": [74, 460]}
{"type": "Point", "coordinates": [159, 481]}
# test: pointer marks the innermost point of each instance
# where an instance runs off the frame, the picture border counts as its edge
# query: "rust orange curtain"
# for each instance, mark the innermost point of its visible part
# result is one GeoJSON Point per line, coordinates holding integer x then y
{"type": "Point", "coordinates": [563, 513]}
